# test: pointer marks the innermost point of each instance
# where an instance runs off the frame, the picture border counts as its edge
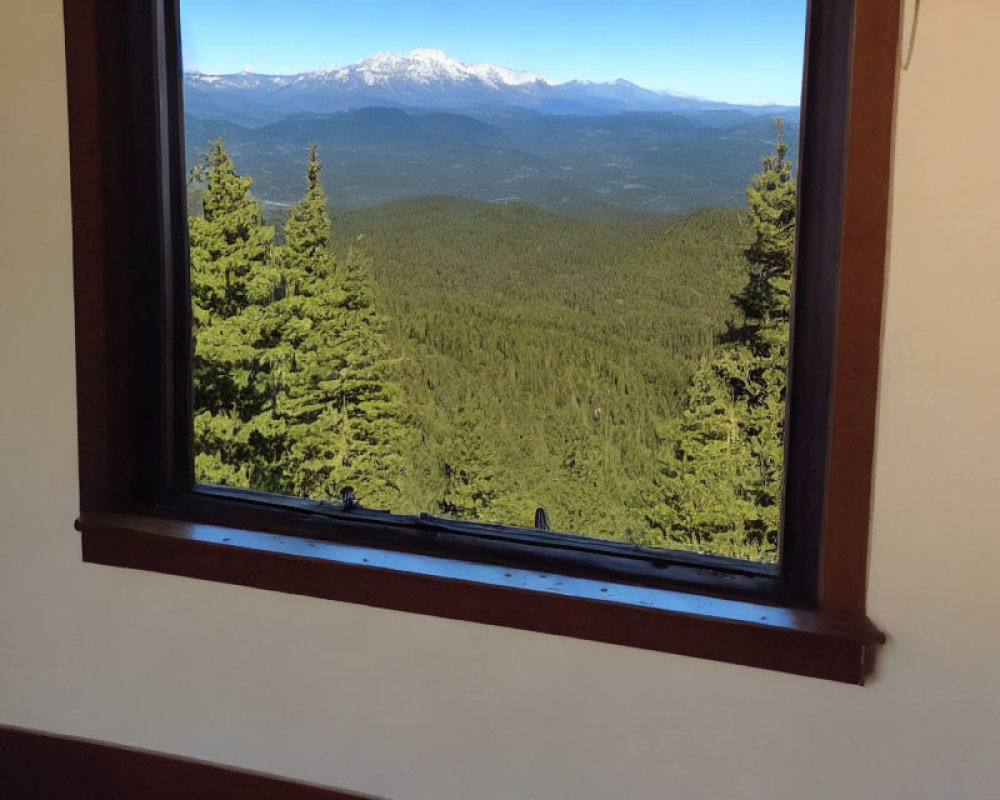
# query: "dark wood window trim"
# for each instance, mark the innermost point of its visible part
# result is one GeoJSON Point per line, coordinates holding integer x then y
{"type": "Point", "coordinates": [136, 509]}
{"type": "Point", "coordinates": [43, 766]}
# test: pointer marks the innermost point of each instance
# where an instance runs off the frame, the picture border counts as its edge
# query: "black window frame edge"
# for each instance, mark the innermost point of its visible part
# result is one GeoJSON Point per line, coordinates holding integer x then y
{"type": "Point", "coordinates": [129, 207]}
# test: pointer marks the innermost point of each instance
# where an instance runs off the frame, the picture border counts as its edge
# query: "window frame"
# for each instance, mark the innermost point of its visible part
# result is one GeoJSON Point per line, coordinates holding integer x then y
{"type": "Point", "coordinates": [132, 325]}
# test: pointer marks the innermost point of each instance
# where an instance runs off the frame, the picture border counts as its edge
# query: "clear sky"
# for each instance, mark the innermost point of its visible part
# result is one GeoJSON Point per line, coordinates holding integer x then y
{"type": "Point", "coordinates": [746, 51]}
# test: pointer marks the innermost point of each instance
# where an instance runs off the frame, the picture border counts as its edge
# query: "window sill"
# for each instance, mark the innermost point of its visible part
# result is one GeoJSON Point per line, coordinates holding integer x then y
{"type": "Point", "coordinates": [797, 641]}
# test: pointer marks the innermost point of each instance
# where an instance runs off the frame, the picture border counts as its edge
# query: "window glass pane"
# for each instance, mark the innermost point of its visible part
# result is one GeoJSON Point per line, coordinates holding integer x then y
{"type": "Point", "coordinates": [524, 263]}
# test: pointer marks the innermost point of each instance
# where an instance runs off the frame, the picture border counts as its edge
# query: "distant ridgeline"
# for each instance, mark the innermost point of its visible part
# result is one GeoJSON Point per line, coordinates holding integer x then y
{"type": "Point", "coordinates": [623, 164]}
{"type": "Point", "coordinates": [395, 127]}
{"type": "Point", "coordinates": [480, 360]}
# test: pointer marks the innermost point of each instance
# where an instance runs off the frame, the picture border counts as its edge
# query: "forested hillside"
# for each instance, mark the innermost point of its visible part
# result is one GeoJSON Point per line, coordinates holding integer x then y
{"type": "Point", "coordinates": [538, 352]}
{"type": "Point", "coordinates": [482, 360]}
{"type": "Point", "coordinates": [593, 166]}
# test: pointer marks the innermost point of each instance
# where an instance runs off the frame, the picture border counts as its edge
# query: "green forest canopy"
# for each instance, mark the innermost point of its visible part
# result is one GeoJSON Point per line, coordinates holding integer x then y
{"type": "Point", "coordinates": [483, 360]}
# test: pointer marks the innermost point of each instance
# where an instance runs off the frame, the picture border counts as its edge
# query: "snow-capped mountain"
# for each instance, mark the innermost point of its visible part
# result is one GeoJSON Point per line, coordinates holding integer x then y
{"type": "Point", "coordinates": [423, 66]}
{"type": "Point", "coordinates": [424, 78]}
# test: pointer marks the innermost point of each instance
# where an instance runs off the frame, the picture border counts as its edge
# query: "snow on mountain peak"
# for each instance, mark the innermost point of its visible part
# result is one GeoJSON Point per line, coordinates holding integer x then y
{"type": "Point", "coordinates": [384, 59]}
{"type": "Point", "coordinates": [429, 54]}
{"type": "Point", "coordinates": [423, 65]}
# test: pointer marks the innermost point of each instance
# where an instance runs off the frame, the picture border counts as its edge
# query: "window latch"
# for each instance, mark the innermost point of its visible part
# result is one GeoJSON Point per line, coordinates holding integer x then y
{"type": "Point", "coordinates": [348, 502]}
{"type": "Point", "coordinates": [542, 520]}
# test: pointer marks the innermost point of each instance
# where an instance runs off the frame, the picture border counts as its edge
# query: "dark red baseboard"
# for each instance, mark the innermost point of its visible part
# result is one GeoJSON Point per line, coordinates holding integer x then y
{"type": "Point", "coordinates": [41, 766]}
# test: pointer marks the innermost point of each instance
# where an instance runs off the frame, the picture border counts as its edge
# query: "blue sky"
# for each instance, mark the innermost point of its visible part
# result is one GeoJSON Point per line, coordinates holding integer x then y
{"type": "Point", "coordinates": [736, 50]}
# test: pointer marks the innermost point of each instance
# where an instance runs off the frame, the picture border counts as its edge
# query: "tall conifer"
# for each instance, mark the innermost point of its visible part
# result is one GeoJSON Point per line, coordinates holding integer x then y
{"type": "Point", "coordinates": [765, 299]}
{"type": "Point", "coordinates": [718, 487]}
{"type": "Point", "coordinates": [474, 478]}
{"type": "Point", "coordinates": [339, 398]}
{"type": "Point", "coordinates": [308, 351]}
{"type": "Point", "coordinates": [374, 434]}
{"type": "Point", "coordinates": [232, 283]}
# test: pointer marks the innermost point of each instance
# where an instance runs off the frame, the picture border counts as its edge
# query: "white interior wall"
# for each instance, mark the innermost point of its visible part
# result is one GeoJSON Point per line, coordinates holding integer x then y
{"type": "Point", "coordinates": [417, 708]}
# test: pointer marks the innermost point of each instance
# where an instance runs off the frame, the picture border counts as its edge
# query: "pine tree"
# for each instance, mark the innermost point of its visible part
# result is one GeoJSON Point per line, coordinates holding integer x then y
{"type": "Point", "coordinates": [337, 396]}
{"type": "Point", "coordinates": [472, 471]}
{"type": "Point", "coordinates": [307, 262]}
{"type": "Point", "coordinates": [232, 284]}
{"type": "Point", "coordinates": [718, 486]}
{"type": "Point", "coordinates": [294, 391]}
{"type": "Point", "coordinates": [308, 348]}
{"type": "Point", "coordinates": [373, 429]}
{"type": "Point", "coordinates": [766, 298]}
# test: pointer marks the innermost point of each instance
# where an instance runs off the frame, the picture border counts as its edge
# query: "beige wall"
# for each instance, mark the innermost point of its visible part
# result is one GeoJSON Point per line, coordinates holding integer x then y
{"type": "Point", "coordinates": [425, 709]}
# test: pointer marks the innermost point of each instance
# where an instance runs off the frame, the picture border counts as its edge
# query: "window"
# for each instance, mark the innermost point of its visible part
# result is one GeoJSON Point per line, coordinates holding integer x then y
{"type": "Point", "coordinates": [141, 508]}
{"type": "Point", "coordinates": [540, 299]}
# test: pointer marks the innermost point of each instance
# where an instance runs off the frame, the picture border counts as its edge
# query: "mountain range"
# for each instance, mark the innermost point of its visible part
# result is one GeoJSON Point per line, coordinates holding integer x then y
{"type": "Point", "coordinates": [392, 127]}
{"type": "Point", "coordinates": [428, 79]}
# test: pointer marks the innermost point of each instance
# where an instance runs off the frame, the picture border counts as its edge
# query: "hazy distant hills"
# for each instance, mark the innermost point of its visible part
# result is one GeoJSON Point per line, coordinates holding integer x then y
{"type": "Point", "coordinates": [395, 127]}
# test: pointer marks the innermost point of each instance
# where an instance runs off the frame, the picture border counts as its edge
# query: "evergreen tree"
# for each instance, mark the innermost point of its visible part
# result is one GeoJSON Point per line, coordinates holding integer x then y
{"type": "Point", "coordinates": [718, 486]}
{"type": "Point", "coordinates": [472, 470]}
{"type": "Point", "coordinates": [232, 283]}
{"type": "Point", "coordinates": [294, 391]}
{"type": "Point", "coordinates": [719, 480]}
{"type": "Point", "coordinates": [307, 262]}
{"type": "Point", "coordinates": [308, 348]}
{"type": "Point", "coordinates": [766, 298]}
{"type": "Point", "coordinates": [373, 429]}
